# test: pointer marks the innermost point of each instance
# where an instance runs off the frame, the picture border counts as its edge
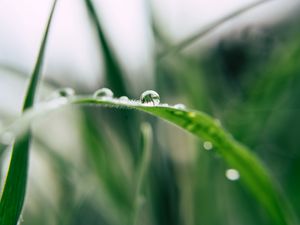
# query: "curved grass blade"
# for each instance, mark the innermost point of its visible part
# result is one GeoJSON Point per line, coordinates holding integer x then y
{"type": "Point", "coordinates": [13, 195]}
{"type": "Point", "coordinates": [253, 175]}
{"type": "Point", "coordinates": [206, 30]}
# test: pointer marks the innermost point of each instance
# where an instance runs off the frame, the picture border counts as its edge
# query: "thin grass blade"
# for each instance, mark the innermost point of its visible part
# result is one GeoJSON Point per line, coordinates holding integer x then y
{"type": "Point", "coordinates": [206, 30]}
{"type": "Point", "coordinates": [114, 75]}
{"type": "Point", "coordinates": [146, 142]}
{"type": "Point", "coordinates": [13, 195]}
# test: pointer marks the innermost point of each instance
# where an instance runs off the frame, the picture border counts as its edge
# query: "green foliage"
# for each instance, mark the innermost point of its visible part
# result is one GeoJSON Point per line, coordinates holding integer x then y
{"type": "Point", "coordinates": [121, 178]}
{"type": "Point", "coordinates": [253, 174]}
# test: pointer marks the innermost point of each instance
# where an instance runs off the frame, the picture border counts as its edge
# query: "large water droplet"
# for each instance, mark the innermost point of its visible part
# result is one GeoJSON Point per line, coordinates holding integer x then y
{"type": "Point", "coordinates": [207, 145]}
{"type": "Point", "coordinates": [124, 98]}
{"type": "Point", "coordinates": [103, 93]}
{"type": "Point", "coordinates": [150, 97]}
{"type": "Point", "coordinates": [232, 174]}
{"type": "Point", "coordinates": [180, 106]}
{"type": "Point", "coordinates": [66, 92]}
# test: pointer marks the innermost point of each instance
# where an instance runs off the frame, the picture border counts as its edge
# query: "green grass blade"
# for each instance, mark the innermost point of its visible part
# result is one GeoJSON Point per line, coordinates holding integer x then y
{"type": "Point", "coordinates": [114, 75]}
{"type": "Point", "coordinates": [146, 142]}
{"type": "Point", "coordinates": [36, 74]}
{"type": "Point", "coordinates": [13, 195]}
{"type": "Point", "coordinates": [206, 30]}
{"type": "Point", "coordinates": [253, 175]}
{"type": "Point", "coordinates": [115, 78]}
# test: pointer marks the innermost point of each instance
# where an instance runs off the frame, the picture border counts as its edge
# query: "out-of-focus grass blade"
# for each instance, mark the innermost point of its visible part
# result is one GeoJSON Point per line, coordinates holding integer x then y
{"type": "Point", "coordinates": [13, 195]}
{"type": "Point", "coordinates": [146, 142]}
{"type": "Point", "coordinates": [209, 28]}
{"type": "Point", "coordinates": [115, 79]}
{"type": "Point", "coordinates": [102, 158]}
{"type": "Point", "coordinates": [253, 174]}
{"type": "Point", "coordinates": [18, 73]}
{"type": "Point", "coordinates": [113, 72]}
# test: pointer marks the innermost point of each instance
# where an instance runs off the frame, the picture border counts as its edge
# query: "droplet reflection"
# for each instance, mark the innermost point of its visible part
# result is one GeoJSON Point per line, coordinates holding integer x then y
{"type": "Point", "coordinates": [207, 145]}
{"type": "Point", "coordinates": [232, 174]}
{"type": "Point", "coordinates": [150, 97]}
{"type": "Point", "coordinates": [180, 106]}
{"type": "Point", "coordinates": [103, 93]}
{"type": "Point", "coordinates": [124, 98]}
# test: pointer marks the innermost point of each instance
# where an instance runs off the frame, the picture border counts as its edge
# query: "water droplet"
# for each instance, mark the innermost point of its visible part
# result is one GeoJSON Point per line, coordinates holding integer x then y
{"type": "Point", "coordinates": [180, 106]}
{"type": "Point", "coordinates": [232, 174]}
{"type": "Point", "coordinates": [103, 93]}
{"type": "Point", "coordinates": [207, 145]}
{"type": "Point", "coordinates": [7, 138]}
{"type": "Point", "coordinates": [124, 98]}
{"type": "Point", "coordinates": [63, 92]}
{"type": "Point", "coordinates": [66, 92]}
{"type": "Point", "coordinates": [150, 97]}
{"type": "Point", "coordinates": [165, 105]}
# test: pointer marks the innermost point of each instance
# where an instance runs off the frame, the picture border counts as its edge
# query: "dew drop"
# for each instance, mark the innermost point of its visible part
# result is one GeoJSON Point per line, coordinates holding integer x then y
{"type": "Point", "coordinates": [207, 145]}
{"type": "Point", "coordinates": [232, 174]}
{"type": "Point", "coordinates": [165, 105]}
{"type": "Point", "coordinates": [66, 92]}
{"type": "Point", "coordinates": [63, 92]}
{"type": "Point", "coordinates": [150, 97]}
{"type": "Point", "coordinates": [124, 98]}
{"type": "Point", "coordinates": [103, 93]}
{"type": "Point", "coordinates": [179, 106]}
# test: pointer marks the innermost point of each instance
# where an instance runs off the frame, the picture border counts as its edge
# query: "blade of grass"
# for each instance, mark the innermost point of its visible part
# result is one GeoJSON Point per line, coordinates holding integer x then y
{"type": "Point", "coordinates": [13, 195]}
{"type": "Point", "coordinates": [115, 79]}
{"type": "Point", "coordinates": [18, 73]}
{"type": "Point", "coordinates": [146, 142]}
{"type": "Point", "coordinates": [206, 30]}
{"type": "Point", "coordinates": [253, 174]}
{"type": "Point", "coordinates": [113, 71]}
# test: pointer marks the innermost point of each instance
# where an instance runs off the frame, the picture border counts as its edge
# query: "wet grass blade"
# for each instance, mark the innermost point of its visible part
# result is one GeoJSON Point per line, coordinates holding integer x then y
{"type": "Point", "coordinates": [13, 195]}
{"type": "Point", "coordinates": [253, 174]}
{"type": "Point", "coordinates": [206, 30]}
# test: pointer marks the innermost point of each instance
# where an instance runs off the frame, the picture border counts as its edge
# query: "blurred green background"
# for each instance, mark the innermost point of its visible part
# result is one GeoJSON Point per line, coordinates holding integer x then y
{"type": "Point", "coordinates": [85, 161]}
